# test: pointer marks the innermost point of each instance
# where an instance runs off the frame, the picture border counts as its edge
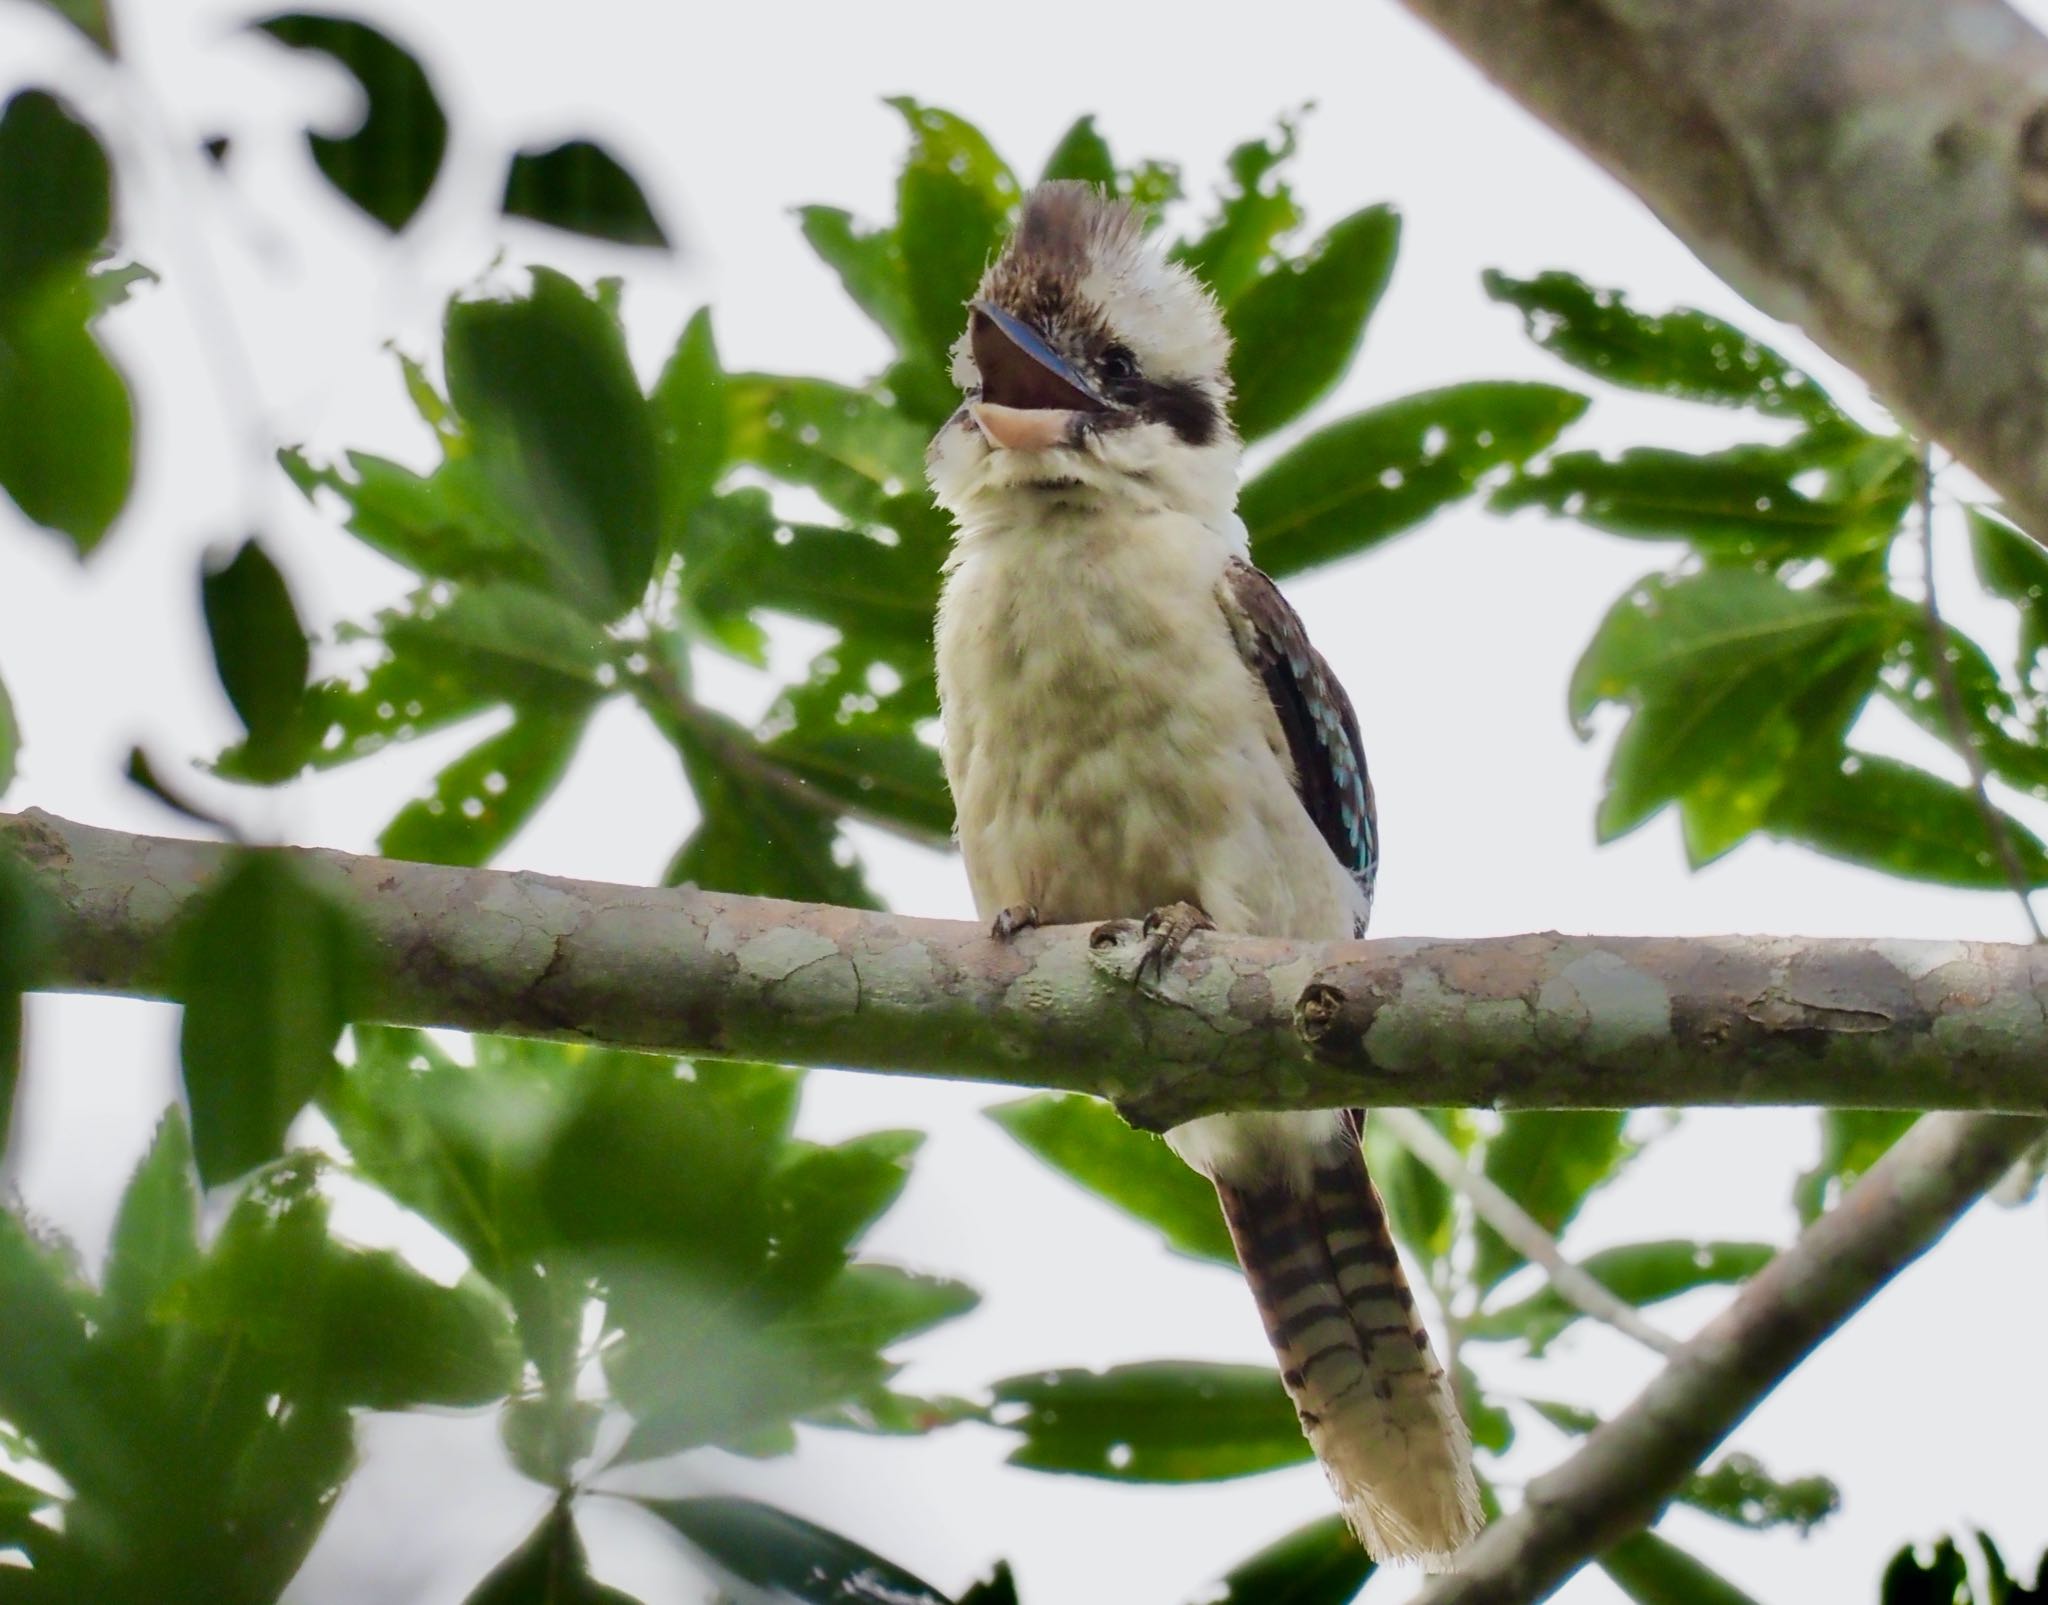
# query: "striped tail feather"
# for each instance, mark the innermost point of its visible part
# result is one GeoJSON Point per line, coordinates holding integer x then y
{"type": "Point", "coordinates": [1375, 1404]}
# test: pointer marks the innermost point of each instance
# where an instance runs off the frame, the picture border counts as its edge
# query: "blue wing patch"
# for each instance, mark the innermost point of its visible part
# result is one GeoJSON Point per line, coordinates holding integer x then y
{"type": "Point", "coordinates": [1316, 716]}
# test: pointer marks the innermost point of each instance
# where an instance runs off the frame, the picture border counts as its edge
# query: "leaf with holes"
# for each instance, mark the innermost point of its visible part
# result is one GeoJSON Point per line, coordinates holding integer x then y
{"type": "Point", "coordinates": [484, 797]}
{"type": "Point", "coordinates": [1740, 1491]}
{"type": "Point", "coordinates": [1368, 477]}
{"type": "Point", "coordinates": [1687, 355]}
{"type": "Point", "coordinates": [786, 1557]}
{"type": "Point", "coordinates": [388, 164]}
{"type": "Point", "coordinates": [1164, 1421]}
{"type": "Point", "coordinates": [581, 187]}
{"type": "Point", "coordinates": [1255, 210]}
{"type": "Point", "coordinates": [1087, 1141]}
{"type": "Point", "coordinates": [1296, 329]}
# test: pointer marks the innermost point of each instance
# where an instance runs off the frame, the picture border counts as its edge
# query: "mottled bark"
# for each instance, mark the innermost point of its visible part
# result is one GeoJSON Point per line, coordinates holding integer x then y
{"type": "Point", "coordinates": [1621, 1477]}
{"type": "Point", "coordinates": [1875, 171]}
{"type": "Point", "coordinates": [1516, 1022]}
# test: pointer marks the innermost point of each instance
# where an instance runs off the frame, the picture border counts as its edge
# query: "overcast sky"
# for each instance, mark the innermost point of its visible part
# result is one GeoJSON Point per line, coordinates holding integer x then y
{"type": "Point", "coordinates": [1456, 644]}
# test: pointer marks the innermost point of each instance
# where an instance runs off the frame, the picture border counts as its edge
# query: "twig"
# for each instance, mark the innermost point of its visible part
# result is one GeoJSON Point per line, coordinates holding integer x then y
{"type": "Point", "coordinates": [1624, 1472]}
{"type": "Point", "coordinates": [1521, 1230]}
{"type": "Point", "coordinates": [1954, 713]}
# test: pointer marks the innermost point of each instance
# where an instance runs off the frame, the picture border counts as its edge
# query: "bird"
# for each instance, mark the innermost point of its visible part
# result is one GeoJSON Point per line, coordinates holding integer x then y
{"type": "Point", "coordinates": [1134, 724]}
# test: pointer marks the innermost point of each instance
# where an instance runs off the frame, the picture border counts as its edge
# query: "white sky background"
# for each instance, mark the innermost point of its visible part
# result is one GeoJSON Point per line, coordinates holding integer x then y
{"type": "Point", "coordinates": [1456, 645]}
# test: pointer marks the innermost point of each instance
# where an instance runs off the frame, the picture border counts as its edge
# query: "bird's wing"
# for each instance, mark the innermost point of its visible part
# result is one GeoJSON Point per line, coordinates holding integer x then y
{"type": "Point", "coordinates": [1315, 715]}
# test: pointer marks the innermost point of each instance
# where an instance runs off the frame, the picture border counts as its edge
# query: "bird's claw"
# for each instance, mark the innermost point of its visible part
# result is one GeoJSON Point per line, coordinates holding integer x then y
{"type": "Point", "coordinates": [1017, 917]}
{"type": "Point", "coordinates": [1165, 931]}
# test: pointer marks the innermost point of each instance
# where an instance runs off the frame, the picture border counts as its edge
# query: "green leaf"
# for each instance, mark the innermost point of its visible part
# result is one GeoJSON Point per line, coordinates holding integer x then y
{"type": "Point", "coordinates": [389, 163]}
{"type": "Point", "coordinates": [1163, 1421]}
{"type": "Point", "coordinates": [1548, 1161]}
{"type": "Point", "coordinates": [2012, 565]}
{"type": "Point", "coordinates": [761, 832]}
{"type": "Point", "coordinates": [952, 203]}
{"type": "Point", "coordinates": [26, 916]}
{"type": "Point", "coordinates": [1318, 1564]}
{"type": "Point", "coordinates": [998, 1588]}
{"type": "Point", "coordinates": [1653, 1571]}
{"type": "Point", "coordinates": [1418, 1203]}
{"type": "Point", "coordinates": [260, 653]}
{"type": "Point", "coordinates": [1687, 355]}
{"type": "Point", "coordinates": [787, 1557]}
{"type": "Point", "coordinates": [1733, 678]}
{"type": "Point", "coordinates": [1640, 1273]}
{"type": "Point", "coordinates": [691, 425]}
{"type": "Point", "coordinates": [66, 421]}
{"type": "Point", "coordinates": [155, 1242]}
{"type": "Point", "coordinates": [1370, 476]}
{"type": "Point", "coordinates": [561, 427]}
{"type": "Point", "coordinates": [1255, 210]}
{"type": "Point", "coordinates": [89, 17]}
{"type": "Point", "coordinates": [1851, 1141]}
{"type": "Point", "coordinates": [1087, 1141]}
{"type": "Point", "coordinates": [870, 268]}
{"type": "Point", "coordinates": [1883, 814]}
{"type": "Point", "coordinates": [872, 761]}
{"type": "Point", "coordinates": [324, 1319]}
{"type": "Point", "coordinates": [267, 964]}
{"type": "Point", "coordinates": [56, 195]}
{"type": "Point", "coordinates": [1082, 154]}
{"type": "Point", "coordinates": [549, 1568]}
{"type": "Point", "coordinates": [1746, 504]}
{"type": "Point", "coordinates": [1740, 1491]}
{"type": "Point", "coordinates": [2008, 729]}
{"type": "Point", "coordinates": [850, 447]}
{"type": "Point", "coordinates": [1493, 1429]}
{"type": "Point", "coordinates": [484, 797]}
{"type": "Point", "coordinates": [1295, 330]}
{"type": "Point", "coordinates": [10, 740]}
{"type": "Point", "coordinates": [579, 186]}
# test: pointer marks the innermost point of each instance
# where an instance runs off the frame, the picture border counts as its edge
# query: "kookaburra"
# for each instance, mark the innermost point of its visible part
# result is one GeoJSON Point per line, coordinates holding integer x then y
{"type": "Point", "coordinates": [1136, 725]}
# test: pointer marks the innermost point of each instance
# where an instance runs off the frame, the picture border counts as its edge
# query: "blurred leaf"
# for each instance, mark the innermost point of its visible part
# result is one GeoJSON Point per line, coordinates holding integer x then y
{"type": "Point", "coordinates": [952, 203]}
{"type": "Point", "coordinates": [579, 186]}
{"type": "Point", "coordinates": [141, 773]}
{"type": "Point", "coordinates": [760, 832]}
{"type": "Point", "coordinates": [1548, 1161]}
{"type": "Point", "coordinates": [321, 1318]}
{"type": "Point", "coordinates": [1739, 1490]}
{"type": "Point", "coordinates": [484, 797]}
{"type": "Point", "coordinates": [1418, 1203]}
{"type": "Point", "coordinates": [1687, 355]}
{"type": "Point", "coordinates": [2012, 565]}
{"type": "Point", "coordinates": [56, 194]}
{"type": "Point", "coordinates": [998, 1588]}
{"type": "Point", "coordinates": [1732, 677]}
{"type": "Point", "coordinates": [1883, 814]}
{"type": "Point", "coordinates": [1318, 1564]}
{"type": "Point", "coordinates": [871, 760]}
{"type": "Point", "coordinates": [1162, 1421]}
{"type": "Point", "coordinates": [1088, 1141]}
{"type": "Point", "coordinates": [2009, 731]}
{"type": "Point", "coordinates": [1640, 1273]}
{"type": "Point", "coordinates": [549, 1568]}
{"type": "Point", "coordinates": [25, 919]}
{"type": "Point", "coordinates": [1255, 210]}
{"type": "Point", "coordinates": [10, 740]}
{"type": "Point", "coordinates": [788, 1557]}
{"type": "Point", "coordinates": [1370, 476]}
{"type": "Point", "coordinates": [852, 449]}
{"type": "Point", "coordinates": [1851, 1141]}
{"type": "Point", "coordinates": [1745, 504]}
{"type": "Point", "coordinates": [89, 17]}
{"type": "Point", "coordinates": [870, 268]}
{"type": "Point", "coordinates": [1296, 329]}
{"type": "Point", "coordinates": [1653, 1571]}
{"type": "Point", "coordinates": [66, 422]}
{"type": "Point", "coordinates": [112, 285]}
{"type": "Point", "coordinates": [548, 1435]}
{"type": "Point", "coordinates": [155, 1242]}
{"type": "Point", "coordinates": [887, 1413]}
{"type": "Point", "coordinates": [690, 410]}
{"type": "Point", "coordinates": [1493, 1429]}
{"type": "Point", "coordinates": [389, 163]}
{"type": "Point", "coordinates": [267, 965]}
{"type": "Point", "coordinates": [260, 653]}
{"type": "Point", "coordinates": [1082, 154]}
{"type": "Point", "coordinates": [561, 427]}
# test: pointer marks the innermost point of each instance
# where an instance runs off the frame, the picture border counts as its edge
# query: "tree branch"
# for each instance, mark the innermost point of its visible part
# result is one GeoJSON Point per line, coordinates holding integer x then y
{"type": "Point", "coordinates": [1542, 1021]}
{"type": "Point", "coordinates": [1620, 1478]}
{"type": "Point", "coordinates": [1875, 171]}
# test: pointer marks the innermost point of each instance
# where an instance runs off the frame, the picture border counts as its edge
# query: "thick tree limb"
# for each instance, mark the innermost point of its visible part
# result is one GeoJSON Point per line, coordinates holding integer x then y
{"type": "Point", "coordinates": [1875, 171]}
{"type": "Point", "coordinates": [1239, 1023]}
{"type": "Point", "coordinates": [1621, 1477]}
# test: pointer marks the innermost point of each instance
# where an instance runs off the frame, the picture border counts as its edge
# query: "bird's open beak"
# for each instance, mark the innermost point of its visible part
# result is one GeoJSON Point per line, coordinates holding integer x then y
{"type": "Point", "coordinates": [1029, 392]}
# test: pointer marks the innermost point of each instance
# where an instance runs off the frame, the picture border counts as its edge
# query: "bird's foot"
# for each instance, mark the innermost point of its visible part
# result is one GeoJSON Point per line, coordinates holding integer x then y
{"type": "Point", "coordinates": [1165, 932]}
{"type": "Point", "coordinates": [1017, 917]}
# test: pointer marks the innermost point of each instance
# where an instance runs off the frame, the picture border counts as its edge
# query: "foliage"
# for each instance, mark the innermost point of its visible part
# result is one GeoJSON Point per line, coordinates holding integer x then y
{"type": "Point", "coordinates": [656, 1265]}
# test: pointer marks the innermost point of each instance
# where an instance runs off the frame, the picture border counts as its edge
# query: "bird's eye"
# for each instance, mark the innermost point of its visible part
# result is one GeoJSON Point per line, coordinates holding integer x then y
{"type": "Point", "coordinates": [1117, 364]}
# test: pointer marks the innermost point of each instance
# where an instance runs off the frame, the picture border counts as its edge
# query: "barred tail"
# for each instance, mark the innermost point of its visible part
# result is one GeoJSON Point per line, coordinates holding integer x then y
{"type": "Point", "coordinates": [1375, 1404]}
